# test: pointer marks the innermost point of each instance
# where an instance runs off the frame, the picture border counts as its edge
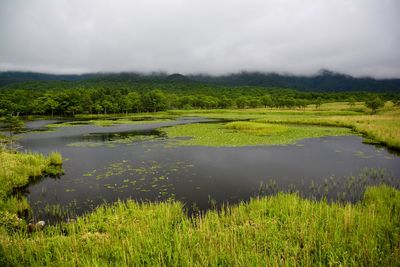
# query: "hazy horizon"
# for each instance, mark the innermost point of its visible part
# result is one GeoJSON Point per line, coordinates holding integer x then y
{"type": "Point", "coordinates": [358, 38]}
{"type": "Point", "coordinates": [318, 73]}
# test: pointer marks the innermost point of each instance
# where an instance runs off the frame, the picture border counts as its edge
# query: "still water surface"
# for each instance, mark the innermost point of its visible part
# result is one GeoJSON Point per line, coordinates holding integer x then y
{"type": "Point", "coordinates": [99, 167]}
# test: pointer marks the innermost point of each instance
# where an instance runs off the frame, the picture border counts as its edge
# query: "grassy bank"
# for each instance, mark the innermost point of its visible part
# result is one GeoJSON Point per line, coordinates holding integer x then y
{"type": "Point", "coordinates": [384, 127]}
{"type": "Point", "coordinates": [16, 170]}
{"type": "Point", "coordinates": [276, 230]}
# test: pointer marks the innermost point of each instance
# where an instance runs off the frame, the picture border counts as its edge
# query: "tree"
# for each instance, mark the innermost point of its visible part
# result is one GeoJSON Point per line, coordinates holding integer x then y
{"type": "Point", "coordinates": [154, 101]}
{"type": "Point", "coordinates": [253, 102]}
{"type": "Point", "coordinates": [107, 105]}
{"type": "Point", "coordinates": [352, 102]}
{"type": "Point", "coordinates": [46, 103]}
{"type": "Point", "coordinates": [374, 103]}
{"type": "Point", "coordinates": [302, 103]}
{"type": "Point", "coordinates": [52, 104]}
{"type": "Point", "coordinates": [133, 102]}
{"type": "Point", "coordinates": [224, 102]}
{"type": "Point", "coordinates": [98, 108]}
{"type": "Point", "coordinates": [86, 104]}
{"type": "Point", "coordinates": [73, 110]}
{"type": "Point", "coordinates": [7, 107]}
{"type": "Point", "coordinates": [267, 101]}
{"type": "Point", "coordinates": [14, 125]}
{"type": "Point", "coordinates": [241, 102]}
{"type": "Point", "coordinates": [318, 102]}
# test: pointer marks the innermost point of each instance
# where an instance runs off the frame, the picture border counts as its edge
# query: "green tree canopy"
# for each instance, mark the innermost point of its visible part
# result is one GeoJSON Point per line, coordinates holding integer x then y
{"type": "Point", "coordinates": [374, 103]}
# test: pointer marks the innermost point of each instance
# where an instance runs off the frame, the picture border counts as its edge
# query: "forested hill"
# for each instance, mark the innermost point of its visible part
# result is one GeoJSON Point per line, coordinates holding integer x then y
{"type": "Point", "coordinates": [324, 81]}
{"type": "Point", "coordinates": [13, 77]}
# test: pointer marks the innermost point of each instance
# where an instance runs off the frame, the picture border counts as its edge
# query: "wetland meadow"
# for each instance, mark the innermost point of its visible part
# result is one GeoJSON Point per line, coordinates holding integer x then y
{"type": "Point", "coordinates": [205, 187]}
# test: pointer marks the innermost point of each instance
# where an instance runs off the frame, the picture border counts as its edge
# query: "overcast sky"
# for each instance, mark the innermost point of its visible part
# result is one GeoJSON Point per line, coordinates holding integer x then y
{"type": "Point", "coordinates": [357, 37]}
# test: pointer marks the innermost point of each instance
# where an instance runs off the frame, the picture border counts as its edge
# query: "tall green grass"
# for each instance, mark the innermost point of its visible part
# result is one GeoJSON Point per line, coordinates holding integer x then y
{"type": "Point", "coordinates": [55, 158]}
{"type": "Point", "coordinates": [16, 170]}
{"type": "Point", "coordinates": [278, 230]}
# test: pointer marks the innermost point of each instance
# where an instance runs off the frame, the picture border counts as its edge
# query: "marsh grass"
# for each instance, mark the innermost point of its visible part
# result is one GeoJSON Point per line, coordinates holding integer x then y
{"type": "Point", "coordinates": [16, 171]}
{"type": "Point", "coordinates": [255, 128]}
{"type": "Point", "coordinates": [246, 134]}
{"type": "Point", "coordinates": [17, 168]}
{"type": "Point", "coordinates": [167, 115]}
{"type": "Point", "coordinates": [334, 189]}
{"type": "Point", "coordinates": [55, 158]}
{"type": "Point", "coordinates": [125, 121]}
{"type": "Point", "coordinates": [383, 127]}
{"type": "Point", "coordinates": [278, 230]}
{"type": "Point", "coordinates": [106, 122]}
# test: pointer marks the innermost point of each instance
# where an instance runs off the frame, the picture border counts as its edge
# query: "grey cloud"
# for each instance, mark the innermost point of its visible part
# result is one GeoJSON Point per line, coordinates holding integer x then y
{"type": "Point", "coordinates": [358, 37]}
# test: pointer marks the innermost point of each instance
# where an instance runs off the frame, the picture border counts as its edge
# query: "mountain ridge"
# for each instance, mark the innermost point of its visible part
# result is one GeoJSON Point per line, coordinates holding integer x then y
{"type": "Point", "coordinates": [323, 81]}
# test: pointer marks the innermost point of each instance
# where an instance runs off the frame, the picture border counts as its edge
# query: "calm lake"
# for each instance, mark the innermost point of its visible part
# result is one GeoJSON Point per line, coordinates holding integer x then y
{"type": "Point", "coordinates": [137, 161]}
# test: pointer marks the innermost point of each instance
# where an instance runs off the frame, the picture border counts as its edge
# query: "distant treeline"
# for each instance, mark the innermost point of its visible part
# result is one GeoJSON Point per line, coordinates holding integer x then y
{"type": "Point", "coordinates": [106, 95]}
{"type": "Point", "coordinates": [323, 81]}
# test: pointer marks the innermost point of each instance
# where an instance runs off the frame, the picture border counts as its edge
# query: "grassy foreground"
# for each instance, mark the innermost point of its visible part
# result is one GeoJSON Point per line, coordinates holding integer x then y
{"type": "Point", "coordinates": [277, 230]}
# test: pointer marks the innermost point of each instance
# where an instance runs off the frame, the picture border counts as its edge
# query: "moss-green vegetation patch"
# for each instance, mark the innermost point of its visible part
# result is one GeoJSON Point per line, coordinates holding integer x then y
{"type": "Point", "coordinates": [103, 122]}
{"type": "Point", "coordinates": [125, 121]}
{"type": "Point", "coordinates": [86, 144]}
{"type": "Point", "coordinates": [246, 134]}
{"type": "Point", "coordinates": [255, 128]}
{"type": "Point", "coordinates": [382, 127]}
{"type": "Point", "coordinates": [143, 116]}
{"type": "Point", "coordinates": [118, 139]}
{"type": "Point", "coordinates": [259, 113]}
{"type": "Point", "coordinates": [278, 230]}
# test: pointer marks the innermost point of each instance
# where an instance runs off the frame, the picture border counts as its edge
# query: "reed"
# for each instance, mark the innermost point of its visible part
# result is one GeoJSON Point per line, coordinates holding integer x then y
{"type": "Point", "coordinates": [284, 229]}
{"type": "Point", "coordinates": [16, 171]}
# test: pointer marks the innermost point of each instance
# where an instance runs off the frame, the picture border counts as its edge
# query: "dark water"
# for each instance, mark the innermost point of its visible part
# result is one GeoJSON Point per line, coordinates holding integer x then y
{"type": "Point", "coordinates": [104, 164]}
